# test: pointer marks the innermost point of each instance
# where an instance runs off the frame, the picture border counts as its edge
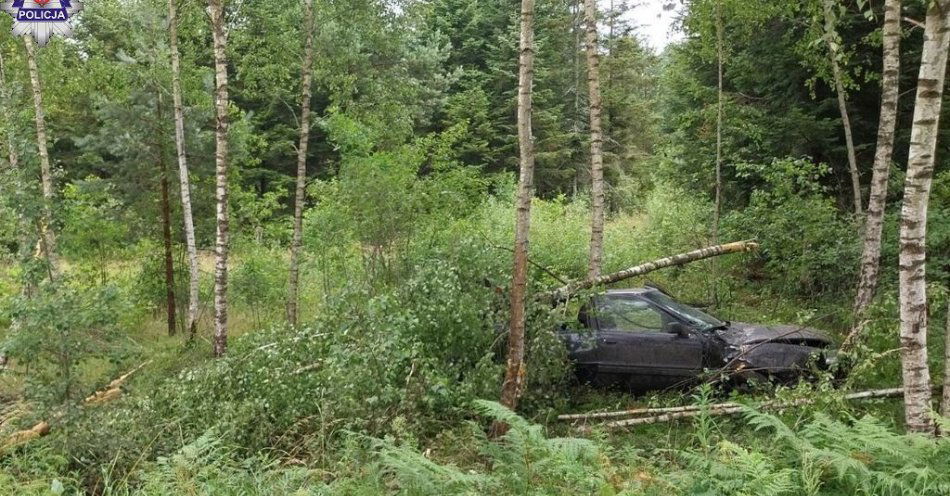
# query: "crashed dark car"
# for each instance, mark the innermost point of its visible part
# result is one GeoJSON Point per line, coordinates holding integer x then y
{"type": "Point", "coordinates": [643, 339]}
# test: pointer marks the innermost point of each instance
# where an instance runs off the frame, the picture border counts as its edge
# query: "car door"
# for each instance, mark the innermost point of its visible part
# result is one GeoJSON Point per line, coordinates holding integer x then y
{"type": "Point", "coordinates": [633, 339]}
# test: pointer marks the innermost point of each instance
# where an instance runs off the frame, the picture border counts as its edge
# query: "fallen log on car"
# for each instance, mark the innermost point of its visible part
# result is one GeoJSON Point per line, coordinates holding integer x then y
{"type": "Point", "coordinates": [42, 428]}
{"type": "Point", "coordinates": [568, 290]}
{"type": "Point", "coordinates": [733, 408]}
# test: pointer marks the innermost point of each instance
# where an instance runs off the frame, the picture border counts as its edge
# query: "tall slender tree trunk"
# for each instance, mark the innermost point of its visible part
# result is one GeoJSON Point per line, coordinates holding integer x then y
{"type": "Point", "coordinates": [596, 143]}
{"type": "Point", "coordinates": [47, 235]}
{"type": "Point", "coordinates": [191, 248]}
{"type": "Point", "coordinates": [167, 235]}
{"type": "Point", "coordinates": [913, 229]}
{"type": "Point", "coordinates": [515, 372]}
{"type": "Point", "coordinates": [220, 341]}
{"type": "Point", "coordinates": [719, 58]}
{"type": "Point", "coordinates": [871, 256]}
{"type": "Point", "coordinates": [305, 77]}
{"type": "Point", "coordinates": [842, 103]}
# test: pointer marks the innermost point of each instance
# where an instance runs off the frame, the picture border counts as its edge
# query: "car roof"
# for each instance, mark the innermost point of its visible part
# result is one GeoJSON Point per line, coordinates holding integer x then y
{"type": "Point", "coordinates": [630, 291]}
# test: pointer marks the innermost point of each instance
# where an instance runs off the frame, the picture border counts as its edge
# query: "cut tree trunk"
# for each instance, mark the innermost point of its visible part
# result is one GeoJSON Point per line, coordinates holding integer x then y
{"type": "Point", "coordinates": [568, 290]}
{"type": "Point", "coordinates": [913, 226]}
{"type": "Point", "coordinates": [47, 235]}
{"type": "Point", "coordinates": [515, 371]}
{"type": "Point", "coordinates": [832, 43]}
{"type": "Point", "coordinates": [111, 391]}
{"type": "Point", "coordinates": [596, 144]}
{"type": "Point", "coordinates": [190, 246]}
{"type": "Point", "coordinates": [871, 254]}
{"type": "Point", "coordinates": [300, 190]}
{"type": "Point", "coordinates": [220, 340]}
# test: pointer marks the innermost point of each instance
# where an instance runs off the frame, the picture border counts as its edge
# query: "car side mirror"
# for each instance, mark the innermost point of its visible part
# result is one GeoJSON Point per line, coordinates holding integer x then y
{"type": "Point", "coordinates": [678, 328]}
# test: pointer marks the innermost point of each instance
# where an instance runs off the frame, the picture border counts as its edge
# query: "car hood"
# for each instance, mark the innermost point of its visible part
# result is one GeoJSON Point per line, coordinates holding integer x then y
{"type": "Point", "coordinates": [740, 333]}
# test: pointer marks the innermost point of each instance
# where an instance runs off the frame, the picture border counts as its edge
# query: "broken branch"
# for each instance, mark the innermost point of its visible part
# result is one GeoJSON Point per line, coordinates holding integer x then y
{"type": "Point", "coordinates": [568, 290]}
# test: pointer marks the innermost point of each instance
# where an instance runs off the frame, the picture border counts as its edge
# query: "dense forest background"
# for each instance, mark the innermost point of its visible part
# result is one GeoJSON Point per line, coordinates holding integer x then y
{"type": "Point", "coordinates": [407, 226]}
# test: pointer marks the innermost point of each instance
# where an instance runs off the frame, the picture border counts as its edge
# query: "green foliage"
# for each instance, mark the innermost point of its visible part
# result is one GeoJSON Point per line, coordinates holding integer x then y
{"type": "Point", "coordinates": [808, 246]}
{"type": "Point", "coordinates": [93, 225]}
{"type": "Point", "coordinates": [58, 328]}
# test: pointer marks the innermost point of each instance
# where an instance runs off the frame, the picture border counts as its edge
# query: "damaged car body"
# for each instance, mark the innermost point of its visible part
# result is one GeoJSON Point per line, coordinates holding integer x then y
{"type": "Point", "coordinates": [643, 339]}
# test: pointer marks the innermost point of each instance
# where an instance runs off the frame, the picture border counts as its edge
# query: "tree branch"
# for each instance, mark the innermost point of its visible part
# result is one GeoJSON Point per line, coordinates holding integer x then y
{"type": "Point", "coordinates": [566, 291]}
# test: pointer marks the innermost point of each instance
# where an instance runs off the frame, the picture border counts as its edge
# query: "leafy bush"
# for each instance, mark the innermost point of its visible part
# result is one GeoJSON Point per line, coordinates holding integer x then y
{"type": "Point", "coordinates": [808, 247]}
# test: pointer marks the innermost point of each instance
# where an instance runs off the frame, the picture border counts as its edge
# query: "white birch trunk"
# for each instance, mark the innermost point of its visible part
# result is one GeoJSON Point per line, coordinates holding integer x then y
{"type": "Point", "coordinates": [47, 235]}
{"type": "Point", "coordinates": [515, 371]}
{"type": "Point", "coordinates": [913, 230]}
{"type": "Point", "coordinates": [184, 182]}
{"type": "Point", "coordinates": [220, 341]}
{"type": "Point", "coordinates": [596, 143]}
{"type": "Point", "coordinates": [871, 255]}
{"type": "Point", "coordinates": [300, 190]}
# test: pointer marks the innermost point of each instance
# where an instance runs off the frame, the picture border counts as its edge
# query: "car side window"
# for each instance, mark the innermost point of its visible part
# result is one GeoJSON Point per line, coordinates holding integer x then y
{"type": "Point", "coordinates": [628, 314]}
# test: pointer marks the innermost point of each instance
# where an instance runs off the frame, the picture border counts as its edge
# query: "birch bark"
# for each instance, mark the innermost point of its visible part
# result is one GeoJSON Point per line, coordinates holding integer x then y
{"type": "Point", "coordinates": [596, 143]}
{"type": "Point", "coordinates": [871, 254]}
{"type": "Point", "coordinates": [515, 371]}
{"type": "Point", "coordinates": [47, 235]}
{"type": "Point", "coordinates": [220, 341]}
{"type": "Point", "coordinates": [191, 248]}
{"type": "Point", "coordinates": [913, 225]}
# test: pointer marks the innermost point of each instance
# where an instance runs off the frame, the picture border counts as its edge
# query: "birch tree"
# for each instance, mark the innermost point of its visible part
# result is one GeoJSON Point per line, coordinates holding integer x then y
{"type": "Point", "coordinates": [300, 190]}
{"type": "Point", "coordinates": [890, 78]}
{"type": "Point", "coordinates": [913, 225]}
{"type": "Point", "coordinates": [47, 235]}
{"type": "Point", "coordinates": [833, 44]}
{"type": "Point", "coordinates": [515, 371]}
{"type": "Point", "coordinates": [220, 341]}
{"type": "Point", "coordinates": [596, 143]}
{"type": "Point", "coordinates": [190, 247]}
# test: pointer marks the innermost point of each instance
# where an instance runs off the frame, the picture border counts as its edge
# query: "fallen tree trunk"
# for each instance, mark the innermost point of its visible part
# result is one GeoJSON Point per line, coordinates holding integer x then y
{"type": "Point", "coordinates": [638, 411]}
{"type": "Point", "coordinates": [111, 391]}
{"type": "Point", "coordinates": [732, 408]}
{"type": "Point", "coordinates": [566, 291]}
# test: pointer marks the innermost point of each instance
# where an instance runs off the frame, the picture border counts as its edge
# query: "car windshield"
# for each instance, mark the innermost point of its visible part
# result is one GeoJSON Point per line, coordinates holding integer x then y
{"type": "Point", "coordinates": [695, 316]}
